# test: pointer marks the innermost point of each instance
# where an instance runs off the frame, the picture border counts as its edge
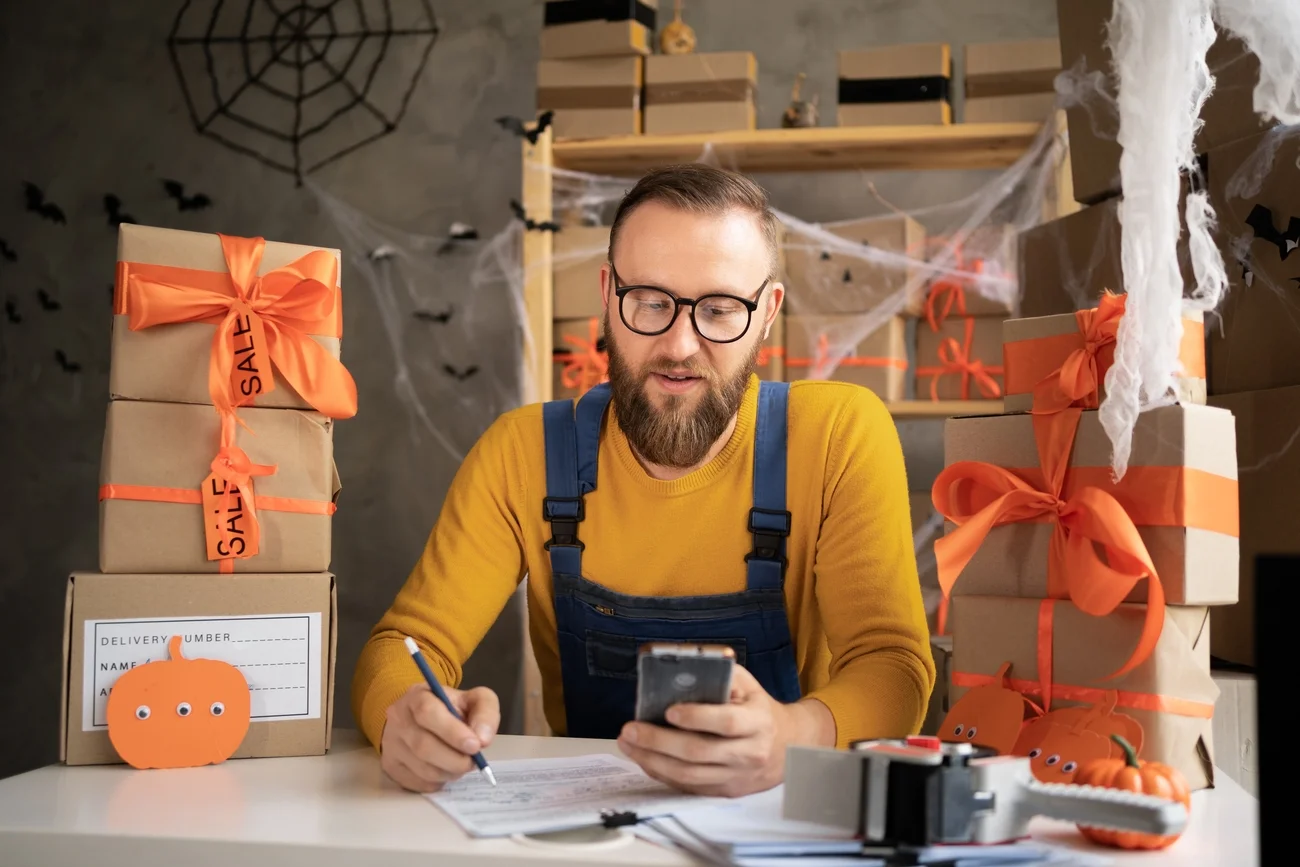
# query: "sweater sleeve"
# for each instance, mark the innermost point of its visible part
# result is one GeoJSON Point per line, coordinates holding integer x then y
{"type": "Point", "coordinates": [882, 671]}
{"type": "Point", "coordinates": [472, 562]}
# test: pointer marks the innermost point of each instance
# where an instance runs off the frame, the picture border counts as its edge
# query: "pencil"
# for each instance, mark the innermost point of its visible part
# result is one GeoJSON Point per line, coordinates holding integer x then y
{"type": "Point", "coordinates": [442, 696]}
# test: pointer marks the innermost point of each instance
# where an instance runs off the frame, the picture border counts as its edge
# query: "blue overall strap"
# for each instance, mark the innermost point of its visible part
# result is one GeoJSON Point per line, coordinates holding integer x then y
{"type": "Point", "coordinates": [571, 449]}
{"type": "Point", "coordinates": [769, 521]}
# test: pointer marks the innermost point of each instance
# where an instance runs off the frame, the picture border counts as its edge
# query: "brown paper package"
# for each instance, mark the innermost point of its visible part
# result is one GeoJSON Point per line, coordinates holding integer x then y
{"type": "Point", "coordinates": [579, 253]}
{"type": "Point", "coordinates": [818, 285]}
{"type": "Point", "coordinates": [597, 38]}
{"type": "Point", "coordinates": [172, 445]}
{"type": "Point", "coordinates": [592, 97]}
{"type": "Point", "coordinates": [801, 338]}
{"type": "Point", "coordinates": [996, 244]}
{"type": "Point", "coordinates": [1257, 345]}
{"type": "Point", "coordinates": [170, 362]}
{"type": "Point", "coordinates": [112, 597]}
{"type": "Point", "coordinates": [988, 631]}
{"type": "Point", "coordinates": [1189, 389]}
{"type": "Point", "coordinates": [1196, 566]}
{"type": "Point", "coordinates": [985, 346]}
{"type": "Point", "coordinates": [1269, 453]}
{"type": "Point", "coordinates": [1228, 114]}
{"type": "Point", "coordinates": [896, 61]}
{"type": "Point", "coordinates": [700, 93]}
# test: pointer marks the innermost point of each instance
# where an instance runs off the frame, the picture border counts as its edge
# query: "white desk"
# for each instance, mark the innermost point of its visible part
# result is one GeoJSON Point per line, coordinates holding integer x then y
{"type": "Point", "coordinates": [340, 809]}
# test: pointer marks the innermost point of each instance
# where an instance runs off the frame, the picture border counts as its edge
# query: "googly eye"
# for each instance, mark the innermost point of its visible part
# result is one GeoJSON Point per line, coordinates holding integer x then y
{"type": "Point", "coordinates": [970, 733]}
{"type": "Point", "coordinates": [958, 729]}
{"type": "Point", "coordinates": [1068, 767]}
{"type": "Point", "coordinates": [183, 709]}
{"type": "Point", "coordinates": [142, 712]}
{"type": "Point", "coordinates": [1053, 759]}
{"type": "Point", "coordinates": [217, 708]}
{"type": "Point", "coordinates": [1035, 752]}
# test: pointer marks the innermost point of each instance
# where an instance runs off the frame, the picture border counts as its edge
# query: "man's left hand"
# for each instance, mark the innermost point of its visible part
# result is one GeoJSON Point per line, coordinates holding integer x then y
{"type": "Point", "coordinates": [726, 749]}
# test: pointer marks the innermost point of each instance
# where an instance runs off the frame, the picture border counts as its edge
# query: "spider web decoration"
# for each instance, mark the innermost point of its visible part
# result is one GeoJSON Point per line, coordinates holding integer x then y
{"type": "Point", "coordinates": [298, 85]}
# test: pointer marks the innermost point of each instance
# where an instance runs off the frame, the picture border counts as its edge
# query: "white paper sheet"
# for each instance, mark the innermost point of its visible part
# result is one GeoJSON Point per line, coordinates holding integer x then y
{"type": "Point", "coordinates": [278, 654]}
{"type": "Point", "coordinates": [539, 795]}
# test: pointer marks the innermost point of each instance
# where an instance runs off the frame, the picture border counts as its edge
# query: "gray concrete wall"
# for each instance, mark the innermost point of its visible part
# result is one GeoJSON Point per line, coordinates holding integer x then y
{"type": "Point", "coordinates": [89, 105]}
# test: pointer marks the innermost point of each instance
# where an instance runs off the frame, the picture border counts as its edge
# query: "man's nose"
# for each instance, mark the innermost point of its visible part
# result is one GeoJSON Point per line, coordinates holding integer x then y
{"type": "Point", "coordinates": [681, 341]}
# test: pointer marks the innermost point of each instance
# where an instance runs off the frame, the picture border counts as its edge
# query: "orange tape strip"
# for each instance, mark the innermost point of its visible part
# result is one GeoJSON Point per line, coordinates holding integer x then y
{"type": "Point", "coordinates": [187, 497]}
{"type": "Point", "coordinates": [1086, 694]}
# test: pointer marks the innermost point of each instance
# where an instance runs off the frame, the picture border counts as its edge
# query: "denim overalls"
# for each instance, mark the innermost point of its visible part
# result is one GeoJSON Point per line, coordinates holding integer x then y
{"type": "Point", "coordinates": [601, 629]}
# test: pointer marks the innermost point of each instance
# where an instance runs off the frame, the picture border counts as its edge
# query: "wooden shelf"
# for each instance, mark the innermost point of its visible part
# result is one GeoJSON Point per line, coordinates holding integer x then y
{"type": "Point", "coordinates": [909, 148]}
{"type": "Point", "coordinates": [907, 409]}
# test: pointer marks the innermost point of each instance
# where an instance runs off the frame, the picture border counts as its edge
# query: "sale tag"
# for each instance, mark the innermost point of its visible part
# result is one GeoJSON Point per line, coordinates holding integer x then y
{"type": "Point", "coordinates": [230, 530]}
{"type": "Point", "coordinates": [250, 375]}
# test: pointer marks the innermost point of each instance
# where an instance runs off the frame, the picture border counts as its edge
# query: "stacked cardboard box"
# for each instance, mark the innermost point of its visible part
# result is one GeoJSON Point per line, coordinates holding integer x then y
{"type": "Point", "coordinates": [217, 484]}
{"type": "Point", "coordinates": [895, 85]}
{"type": "Point", "coordinates": [700, 93]}
{"type": "Point", "coordinates": [832, 286]}
{"type": "Point", "coordinates": [592, 67]}
{"type": "Point", "coordinates": [1008, 82]}
{"type": "Point", "coordinates": [1053, 561]}
{"type": "Point", "coordinates": [580, 359]}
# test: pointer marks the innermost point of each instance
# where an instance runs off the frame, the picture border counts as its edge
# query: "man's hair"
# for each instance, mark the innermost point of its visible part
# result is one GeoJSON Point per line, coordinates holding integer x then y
{"type": "Point", "coordinates": [701, 189]}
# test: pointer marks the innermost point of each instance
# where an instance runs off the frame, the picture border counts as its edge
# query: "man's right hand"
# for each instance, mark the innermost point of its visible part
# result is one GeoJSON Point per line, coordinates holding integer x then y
{"type": "Point", "coordinates": [424, 746]}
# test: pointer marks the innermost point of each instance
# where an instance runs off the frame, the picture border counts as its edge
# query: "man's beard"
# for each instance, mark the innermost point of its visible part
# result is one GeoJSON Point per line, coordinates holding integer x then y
{"type": "Point", "coordinates": [676, 436]}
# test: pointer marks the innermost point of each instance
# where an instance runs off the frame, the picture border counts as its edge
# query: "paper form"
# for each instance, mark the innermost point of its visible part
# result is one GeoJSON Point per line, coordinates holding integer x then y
{"type": "Point", "coordinates": [278, 654]}
{"type": "Point", "coordinates": [538, 795]}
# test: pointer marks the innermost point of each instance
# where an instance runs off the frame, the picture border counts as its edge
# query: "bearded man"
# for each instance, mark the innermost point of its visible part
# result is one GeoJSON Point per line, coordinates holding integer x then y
{"type": "Point", "coordinates": [772, 517]}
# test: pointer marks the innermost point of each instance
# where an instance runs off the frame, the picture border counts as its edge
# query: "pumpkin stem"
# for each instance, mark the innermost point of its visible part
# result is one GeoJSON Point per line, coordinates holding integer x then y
{"type": "Point", "coordinates": [1002, 674]}
{"type": "Point", "coordinates": [174, 648]}
{"type": "Point", "coordinates": [1130, 754]}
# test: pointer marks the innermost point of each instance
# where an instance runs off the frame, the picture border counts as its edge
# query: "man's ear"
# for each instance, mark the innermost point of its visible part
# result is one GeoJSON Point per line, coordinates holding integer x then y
{"type": "Point", "coordinates": [775, 300]}
{"type": "Point", "coordinates": [605, 283]}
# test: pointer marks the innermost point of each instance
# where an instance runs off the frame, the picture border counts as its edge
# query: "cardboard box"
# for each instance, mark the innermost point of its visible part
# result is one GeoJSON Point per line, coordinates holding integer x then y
{"type": "Point", "coordinates": [895, 85]}
{"type": "Point", "coordinates": [1256, 342]}
{"type": "Point", "coordinates": [1228, 114]}
{"type": "Point", "coordinates": [1008, 82]}
{"type": "Point", "coordinates": [980, 341]}
{"type": "Point", "coordinates": [820, 279]}
{"type": "Point", "coordinates": [988, 250]}
{"type": "Point", "coordinates": [172, 446]}
{"type": "Point", "coordinates": [279, 630]}
{"type": "Point", "coordinates": [941, 650]}
{"type": "Point", "coordinates": [694, 93]}
{"type": "Point", "coordinates": [1268, 452]}
{"type": "Point", "coordinates": [594, 97]}
{"type": "Point", "coordinates": [170, 362]}
{"type": "Point", "coordinates": [1180, 490]}
{"type": "Point", "coordinates": [579, 355]}
{"type": "Point", "coordinates": [988, 631]}
{"type": "Point", "coordinates": [1033, 349]}
{"type": "Point", "coordinates": [575, 29]}
{"type": "Point", "coordinates": [1236, 726]}
{"type": "Point", "coordinates": [877, 360]}
{"type": "Point", "coordinates": [579, 254]}
{"type": "Point", "coordinates": [1068, 263]}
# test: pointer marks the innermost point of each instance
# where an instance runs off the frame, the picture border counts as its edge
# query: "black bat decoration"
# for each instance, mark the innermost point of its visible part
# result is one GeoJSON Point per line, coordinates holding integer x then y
{"type": "Point", "coordinates": [458, 232]}
{"type": "Point", "coordinates": [441, 317]}
{"type": "Point", "coordinates": [826, 255]}
{"type": "Point", "coordinates": [37, 205]}
{"type": "Point", "coordinates": [7, 252]}
{"type": "Point", "coordinates": [1261, 220]}
{"type": "Point", "coordinates": [529, 223]}
{"type": "Point", "coordinates": [848, 276]}
{"type": "Point", "coordinates": [196, 202]}
{"type": "Point", "coordinates": [47, 302]}
{"type": "Point", "coordinates": [461, 375]}
{"type": "Point", "coordinates": [67, 365]}
{"type": "Point", "coordinates": [113, 207]}
{"type": "Point", "coordinates": [516, 126]}
{"type": "Point", "coordinates": [11, 311]}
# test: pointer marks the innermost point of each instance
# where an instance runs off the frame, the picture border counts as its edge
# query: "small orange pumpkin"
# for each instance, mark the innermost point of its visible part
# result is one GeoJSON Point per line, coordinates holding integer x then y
{"type": "Point", "coordinates": [178, 712]}
{"type": "Point", "coordinates": [1132, 775]}
{"type": "Point", "coordinates": [988, 716]}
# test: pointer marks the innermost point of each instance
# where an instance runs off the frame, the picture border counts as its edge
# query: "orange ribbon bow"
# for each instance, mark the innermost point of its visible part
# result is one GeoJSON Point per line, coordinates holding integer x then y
{"type": "Point", "coordinates": [978, 496]}
{"type": "Point", "coordinates": [585, 365]}
{"type": "Point", "coordinates": [955, 358]}
{"type": "Point", "coordinates": [1077, 381]}
{"type": "Point", "coordinates": [273, 313]}
{"type": "Point", "coordinates": [949, 292]}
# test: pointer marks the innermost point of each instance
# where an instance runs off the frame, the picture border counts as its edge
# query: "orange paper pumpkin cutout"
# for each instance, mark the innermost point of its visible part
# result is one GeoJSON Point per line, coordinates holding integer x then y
{"type": "Point", "coordinates": [1060, 748]}
{"type": "Point", "coordinates": [1100, 718]}
{"type": "Point", "coordinates": [987, 716]}
{"type": "Point", "coordinates": [178, 712]}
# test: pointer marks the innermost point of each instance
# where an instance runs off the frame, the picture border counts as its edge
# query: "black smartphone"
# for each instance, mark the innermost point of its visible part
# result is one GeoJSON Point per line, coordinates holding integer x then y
{"type": "Point", "coordinates": [669, 674]}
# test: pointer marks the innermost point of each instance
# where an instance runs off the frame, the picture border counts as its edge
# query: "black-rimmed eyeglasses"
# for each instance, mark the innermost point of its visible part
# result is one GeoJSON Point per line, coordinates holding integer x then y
{"type": "Point", "coordinates": [717, 317]}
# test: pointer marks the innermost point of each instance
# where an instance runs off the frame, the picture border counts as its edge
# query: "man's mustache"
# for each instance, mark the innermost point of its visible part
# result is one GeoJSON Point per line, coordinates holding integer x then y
{"type": "Point", "coordinates": [677, 368]}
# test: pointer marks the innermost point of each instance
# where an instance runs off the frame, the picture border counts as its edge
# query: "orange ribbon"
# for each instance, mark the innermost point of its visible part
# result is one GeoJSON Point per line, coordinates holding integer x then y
{"type": "Point", "coordinates": [978, 496]}
{"type": "Point", "coordinates": [236, 470]}
{"type": "Point", "coordinates": [949, 292]}
{"type": "Point", "coordinates": [286, 305]}
{"type": "Point", "coordinates": [767, 353]}
{"type": "Point", "coordinates": [818, 363]}
{"type": "Point", "coordinates": [955, 358]}
{"type": "Point", "coordinates": [585, 365]}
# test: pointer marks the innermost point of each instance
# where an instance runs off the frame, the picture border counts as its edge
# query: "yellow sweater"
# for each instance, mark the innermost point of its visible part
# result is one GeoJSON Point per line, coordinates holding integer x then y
{"type": "Point", "coordinates": [852, 594]}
